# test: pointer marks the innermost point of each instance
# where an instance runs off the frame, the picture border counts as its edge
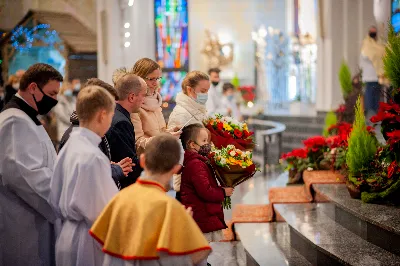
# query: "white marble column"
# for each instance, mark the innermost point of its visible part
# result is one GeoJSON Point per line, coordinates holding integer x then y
{"type": "Point", "coordinates": [112, 53]}
{"type": "Point", "coordinates": [346, 23]}
{"type": "Point", "coordinates": [109, 43]}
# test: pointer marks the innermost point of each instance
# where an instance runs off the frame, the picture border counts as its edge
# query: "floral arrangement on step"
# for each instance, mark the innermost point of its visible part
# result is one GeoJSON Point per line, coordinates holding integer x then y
{"type": "Point", "coordinates": [232, 167]}
{"type": "Point", "coordinates": [320, 153]}
{"type": "Point", "coordinates": [228, 131]}
{"type": "Point", "coordinates": [374, 169]}
{"type": "Point", "coordinates": [311, 157]}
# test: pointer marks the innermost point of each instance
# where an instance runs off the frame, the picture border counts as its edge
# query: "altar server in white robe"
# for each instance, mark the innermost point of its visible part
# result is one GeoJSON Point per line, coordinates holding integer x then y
{"type": "Point", "coordinates": [27, 158]}
{"type": "Point", "coordinates": [82, 185]}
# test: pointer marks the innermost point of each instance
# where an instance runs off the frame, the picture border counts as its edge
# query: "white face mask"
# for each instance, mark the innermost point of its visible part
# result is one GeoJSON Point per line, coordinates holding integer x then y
{"type": "Point", "coordinates": [15, 86]}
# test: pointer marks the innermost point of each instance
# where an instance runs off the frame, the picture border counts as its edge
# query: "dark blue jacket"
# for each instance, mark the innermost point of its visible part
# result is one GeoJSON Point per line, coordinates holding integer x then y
{"type": "Point", "coordinates": [116, 171]}
{"type": "Point", "coordinates": [121, 137]}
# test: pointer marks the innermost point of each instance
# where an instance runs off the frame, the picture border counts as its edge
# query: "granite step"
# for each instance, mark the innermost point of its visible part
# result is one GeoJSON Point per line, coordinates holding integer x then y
{"type": "Point", "coordinates": [378, 224]}
{"type": "Point", "coordinates": [268, 244]}
{"type": "Point", "coordinates": [325, 242]}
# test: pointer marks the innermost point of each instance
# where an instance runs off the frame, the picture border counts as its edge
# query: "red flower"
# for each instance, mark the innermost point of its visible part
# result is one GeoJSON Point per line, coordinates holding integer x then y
{"type": "Point", "coordinates": [247, 134]}
{"type": "Point", "coordinates": [341, 109]}
{"type": "Point", "coordinates": [220, 126]}
{"type": "Point", "coordinates": [300, 153]}
{"type": "Point", "coordinates": [394, 136]}
{"type": "Point", "coordinates": [380, 116]}
{"type": "Point", "coordinates": [392, 169]}
{"type": "Point", "coordinates": [385, 107]}
{"type": "Point", "coordinates": [238, 133]}
{"type": "Point", "coordinates": [296, 153]}
{"type": "Point", "coordinates": [315, 142]}
{"type": "Point", "coordinates": [370, 129]}
{"type": "Point", "coordinates": [334, 141]}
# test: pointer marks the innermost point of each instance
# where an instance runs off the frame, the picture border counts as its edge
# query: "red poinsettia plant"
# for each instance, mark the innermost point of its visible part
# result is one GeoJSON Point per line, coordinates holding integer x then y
{"type": "Point", "coordinates": [389, 116]}
{"type": "Point", "coordinates": [248, 93]}
{"type": "Point", "coordinates": [296, 159]}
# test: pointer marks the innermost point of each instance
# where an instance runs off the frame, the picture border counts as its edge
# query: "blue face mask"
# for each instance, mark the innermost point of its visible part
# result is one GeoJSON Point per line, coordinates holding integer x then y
{"type": "Point", "coordinates": [202, 98]}
{"type": "Point", "coordinates": [68, 93]}
{"type": "Point", "coordinates": [77, 87]}
{"type": "Point", "coordinates": [229, 97]}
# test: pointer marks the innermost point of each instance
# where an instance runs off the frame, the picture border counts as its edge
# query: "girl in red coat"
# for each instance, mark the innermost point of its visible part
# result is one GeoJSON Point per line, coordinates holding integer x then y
{"type": "Point", "coordinates": [199, 188]}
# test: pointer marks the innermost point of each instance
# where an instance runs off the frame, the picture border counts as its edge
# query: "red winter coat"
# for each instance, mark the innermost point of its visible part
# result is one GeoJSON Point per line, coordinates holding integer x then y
{"type": "Point", "coordinates": [200, 190]}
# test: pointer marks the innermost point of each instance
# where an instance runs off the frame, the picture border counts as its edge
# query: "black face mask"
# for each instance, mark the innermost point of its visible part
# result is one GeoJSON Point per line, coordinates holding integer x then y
{"type": "Point", "coordinates": [372, 35]}
{"type": "Point", "coordinates": [45, 104]}
{"type": "Point", "coordinates": [205, 150]}
{"type": "Point", "coordinates": [215, 83]}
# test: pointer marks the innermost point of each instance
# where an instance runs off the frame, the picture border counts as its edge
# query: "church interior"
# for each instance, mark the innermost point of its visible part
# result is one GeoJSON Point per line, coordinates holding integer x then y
{"type": "Point", "coordinates": [315, 82]}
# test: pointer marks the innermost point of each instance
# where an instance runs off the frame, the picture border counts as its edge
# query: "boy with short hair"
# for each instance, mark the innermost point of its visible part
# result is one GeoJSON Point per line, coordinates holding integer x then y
{"type": "Point", "coordinates": [118, 170]}
{"type": "Point", "coordinates": [144, 226]}
{"type": "Point", "coordinates": [82, 186]}
{"type": "Point", "coordinates": [229, 103]}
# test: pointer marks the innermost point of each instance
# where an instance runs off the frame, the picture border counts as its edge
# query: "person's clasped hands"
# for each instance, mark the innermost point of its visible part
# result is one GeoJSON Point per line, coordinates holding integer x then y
{"type": "Point", "coordinates": [126, 165]}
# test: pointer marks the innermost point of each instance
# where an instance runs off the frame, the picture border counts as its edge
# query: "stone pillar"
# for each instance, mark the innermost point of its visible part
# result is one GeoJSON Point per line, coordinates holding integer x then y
{"type": "Point", "coordinates": [345, 24]}
{"type": "Point", "coordinates": [112, 16]}
{"type": "Point", "coordinates": [109, 43]}
{"type": "Point", "coordinates": [382, 12]}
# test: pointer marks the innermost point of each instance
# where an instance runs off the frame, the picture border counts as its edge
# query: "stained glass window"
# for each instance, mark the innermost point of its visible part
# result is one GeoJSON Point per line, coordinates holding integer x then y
{"type": "Point", "coordinates": [172, 50]}
{"type": "Point", "coordinates": [171, 84]}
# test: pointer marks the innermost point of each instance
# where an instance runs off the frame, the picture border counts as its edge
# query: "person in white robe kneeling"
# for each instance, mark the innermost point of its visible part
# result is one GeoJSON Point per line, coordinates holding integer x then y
{"type": "Point", "coordinates": [27, 158]}
{"type": "Point", "coordinates": [82, 185]}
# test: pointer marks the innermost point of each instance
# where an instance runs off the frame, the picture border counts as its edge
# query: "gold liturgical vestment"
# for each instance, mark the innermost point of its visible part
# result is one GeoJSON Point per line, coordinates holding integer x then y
{"type": "Point", "coordinates": [142, 221]}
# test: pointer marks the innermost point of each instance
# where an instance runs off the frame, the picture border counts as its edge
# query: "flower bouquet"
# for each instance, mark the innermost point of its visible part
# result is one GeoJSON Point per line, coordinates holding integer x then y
{"type": "Point", "coordinates": [228, 131]}
{"type": "Point", "coordinates": [232, 167]}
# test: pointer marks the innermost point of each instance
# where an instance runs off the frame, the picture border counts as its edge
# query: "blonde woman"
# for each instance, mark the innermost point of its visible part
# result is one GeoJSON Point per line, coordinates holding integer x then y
{"type": "Point", "coordinates": [190, 108]}
{"type": "Point", "coordinates": [149, 122]}
{"type": "Point", "coordinates": [64, 108]}
{"type": "Point", "coordinates": [191, 102]}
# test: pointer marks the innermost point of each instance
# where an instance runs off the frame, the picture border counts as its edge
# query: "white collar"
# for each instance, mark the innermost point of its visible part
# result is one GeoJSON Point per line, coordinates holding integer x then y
{"type": "Point", "coordinates": [19, 96]}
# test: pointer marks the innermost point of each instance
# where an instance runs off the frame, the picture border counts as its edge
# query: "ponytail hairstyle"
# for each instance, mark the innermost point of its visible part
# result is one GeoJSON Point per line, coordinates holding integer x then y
{"type": "Point", "coordinates": [192, 79]}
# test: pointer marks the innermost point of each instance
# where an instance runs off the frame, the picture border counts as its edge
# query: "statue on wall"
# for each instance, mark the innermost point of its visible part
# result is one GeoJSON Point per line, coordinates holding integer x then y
{"type": "Point", "coordinates": [217, 54]}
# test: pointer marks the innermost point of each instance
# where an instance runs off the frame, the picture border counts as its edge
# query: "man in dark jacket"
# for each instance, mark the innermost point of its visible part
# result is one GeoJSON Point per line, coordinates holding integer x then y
{"type": "Point", "coordinates": [118, 170]}
{"type": "Point", "coordinates": [121, 135]}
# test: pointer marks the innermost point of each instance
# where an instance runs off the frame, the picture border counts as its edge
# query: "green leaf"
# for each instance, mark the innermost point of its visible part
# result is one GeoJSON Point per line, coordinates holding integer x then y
{"type": "Point", "coordinates": [345, 79]}
{"type": "Point", "coordinates": [362, 145]}
{"type": "Point", "coordinates": [330, 120]}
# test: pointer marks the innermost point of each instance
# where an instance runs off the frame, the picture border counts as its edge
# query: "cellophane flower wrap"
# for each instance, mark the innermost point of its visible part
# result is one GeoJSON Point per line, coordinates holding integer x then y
{"type": "Point", "coordinates": [232, 167]}
{"type": "Point", "coordinates": [228, 131]}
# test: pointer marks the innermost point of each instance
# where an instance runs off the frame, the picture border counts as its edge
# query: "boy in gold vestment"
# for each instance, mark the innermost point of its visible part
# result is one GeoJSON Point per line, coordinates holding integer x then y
{"type": "Point", "coordinates": [144, 226]}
